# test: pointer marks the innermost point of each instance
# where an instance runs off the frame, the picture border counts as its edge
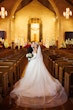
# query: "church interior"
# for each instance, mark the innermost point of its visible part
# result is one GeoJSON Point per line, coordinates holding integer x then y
{"type": "Point", "coordinates": [49, 22]}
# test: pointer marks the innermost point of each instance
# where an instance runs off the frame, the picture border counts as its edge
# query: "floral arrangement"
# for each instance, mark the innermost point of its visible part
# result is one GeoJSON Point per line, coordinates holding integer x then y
{"type": "Point", "coordinates": [67, 43]}
{"type": "Point", "coordinates": [29, 56]}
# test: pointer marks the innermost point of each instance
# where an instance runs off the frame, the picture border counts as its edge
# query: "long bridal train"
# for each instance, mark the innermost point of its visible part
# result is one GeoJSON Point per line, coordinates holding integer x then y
{"type": "Point", "coordinates": [38, 88]}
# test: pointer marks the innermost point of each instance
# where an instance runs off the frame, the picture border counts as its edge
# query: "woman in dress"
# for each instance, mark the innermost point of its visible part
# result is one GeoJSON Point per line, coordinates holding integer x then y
{"type": "Point", "coordinates": [38, 88]}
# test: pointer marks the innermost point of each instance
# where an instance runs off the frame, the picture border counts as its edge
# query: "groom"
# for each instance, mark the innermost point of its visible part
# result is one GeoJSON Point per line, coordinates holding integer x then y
{"type": "Point", "coordinates": [30, 48]}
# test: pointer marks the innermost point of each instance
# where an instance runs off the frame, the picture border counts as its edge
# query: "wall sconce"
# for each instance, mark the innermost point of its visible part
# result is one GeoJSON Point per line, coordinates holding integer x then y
{"type": "Point", "coordinates": [3, 12]}
{"type": "Point", "coordinates": [67, 13]}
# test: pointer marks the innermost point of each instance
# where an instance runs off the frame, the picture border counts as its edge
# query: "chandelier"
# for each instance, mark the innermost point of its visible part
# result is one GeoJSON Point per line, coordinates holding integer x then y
{"type": "Point", "coordinates": [3, 12]}
{"type": "Point", "coordinates": [67, 13]}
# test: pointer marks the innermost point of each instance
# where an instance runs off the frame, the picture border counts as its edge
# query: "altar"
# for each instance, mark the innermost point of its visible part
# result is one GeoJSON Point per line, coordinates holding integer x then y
{"type": "Point", "coordinates": [34, 30]}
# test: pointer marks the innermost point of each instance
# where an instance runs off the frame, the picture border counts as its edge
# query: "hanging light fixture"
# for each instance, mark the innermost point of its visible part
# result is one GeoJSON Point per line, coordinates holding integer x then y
{"type": "Point", "coordinates": [3, 12]}
{"type": "Point", "coordinates": [67, 13]}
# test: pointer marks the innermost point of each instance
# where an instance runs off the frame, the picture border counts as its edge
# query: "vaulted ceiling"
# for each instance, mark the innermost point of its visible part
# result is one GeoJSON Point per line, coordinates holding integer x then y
{"type": "Point", "coordinates": [8, 4]}
{"type": "Point", "coordinates": [70, 2]}
{"type": "Point", "coordinates": [43, 2]}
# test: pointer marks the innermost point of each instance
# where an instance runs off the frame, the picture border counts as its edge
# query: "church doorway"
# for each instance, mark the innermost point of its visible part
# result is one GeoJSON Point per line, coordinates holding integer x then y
{"type": "Point", "coordinates": [34, 30]}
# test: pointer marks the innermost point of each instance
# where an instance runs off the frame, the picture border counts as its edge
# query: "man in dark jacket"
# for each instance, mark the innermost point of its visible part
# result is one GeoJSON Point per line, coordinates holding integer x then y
{"type": "Point", "coordinates": [30, 48]}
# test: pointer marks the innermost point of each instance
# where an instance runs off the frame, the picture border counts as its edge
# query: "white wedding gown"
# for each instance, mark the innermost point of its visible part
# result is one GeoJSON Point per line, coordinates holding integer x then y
{"type": "Point", "coordinates": [38, 88]}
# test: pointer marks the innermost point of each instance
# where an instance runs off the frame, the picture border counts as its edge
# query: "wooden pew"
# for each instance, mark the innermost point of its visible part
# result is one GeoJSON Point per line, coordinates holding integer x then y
{"type": "Point", "coordinates": [9, 70]}
{"type": "Point", "coordinates": [62, 69]}
{"type": "Point", "coordinates": [3, 83]}
{"type": "Point", "coordinates": [12, 65]}
{"type": "Point", "coordinates": [6, 53]}
{"type": "Point", "coordinates": [57, 63]}
{"type": "Point", "coordinates": [68, 83]}
{"type": "Point", "coordinates": [14, 69]}
{"type": "Point", "coordinates": [53, 67]}
{"type": "Point", "coordinates": [19, 64]}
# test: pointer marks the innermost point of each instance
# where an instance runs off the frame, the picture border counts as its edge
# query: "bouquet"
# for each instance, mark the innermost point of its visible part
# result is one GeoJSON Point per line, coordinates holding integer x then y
{"type": "Point", "coordinates": [29, 56]}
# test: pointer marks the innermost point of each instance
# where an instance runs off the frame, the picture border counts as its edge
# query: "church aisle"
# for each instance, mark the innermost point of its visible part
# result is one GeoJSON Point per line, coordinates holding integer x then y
{"type": "Point", "coordinates": [6, 106]}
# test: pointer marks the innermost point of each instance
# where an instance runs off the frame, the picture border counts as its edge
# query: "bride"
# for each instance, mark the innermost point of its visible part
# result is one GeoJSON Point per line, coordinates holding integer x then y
{"type": "Point", "coordinates": [38, 88]}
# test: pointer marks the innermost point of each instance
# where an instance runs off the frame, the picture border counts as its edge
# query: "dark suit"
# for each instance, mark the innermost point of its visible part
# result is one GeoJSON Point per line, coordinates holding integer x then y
{"type": "Point", "coordinates": [29, 49]}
